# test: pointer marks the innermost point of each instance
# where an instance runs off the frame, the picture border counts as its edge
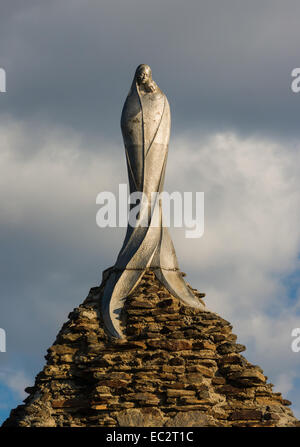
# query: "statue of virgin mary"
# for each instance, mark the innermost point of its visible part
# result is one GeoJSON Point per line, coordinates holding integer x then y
{"type": "Point", "coordinates": [145, 125]}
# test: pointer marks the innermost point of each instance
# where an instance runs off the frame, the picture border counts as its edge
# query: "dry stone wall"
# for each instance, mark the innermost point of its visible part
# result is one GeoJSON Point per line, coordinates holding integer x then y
{"type": "Point", "coordinates": [178, 366]}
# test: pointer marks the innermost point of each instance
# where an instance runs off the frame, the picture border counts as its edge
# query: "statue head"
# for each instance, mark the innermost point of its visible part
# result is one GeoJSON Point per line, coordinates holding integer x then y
{"type": "Point", "coordinates": [143, 74]}
{"type": "Point", "coordinates": [143, 79]}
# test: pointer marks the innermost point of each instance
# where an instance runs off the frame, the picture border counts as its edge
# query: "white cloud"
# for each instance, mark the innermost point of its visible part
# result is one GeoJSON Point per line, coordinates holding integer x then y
{"type": "Point", "coordinates": [16, 381]}
{"type": "Point", "coordinates": [284, 382]}
{"type": "Point", "coordinates": [53, 188]}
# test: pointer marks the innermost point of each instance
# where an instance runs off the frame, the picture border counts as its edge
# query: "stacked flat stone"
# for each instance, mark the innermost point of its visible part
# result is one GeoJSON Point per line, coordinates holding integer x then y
{"type": "Point", "coordinates": [177, 366]}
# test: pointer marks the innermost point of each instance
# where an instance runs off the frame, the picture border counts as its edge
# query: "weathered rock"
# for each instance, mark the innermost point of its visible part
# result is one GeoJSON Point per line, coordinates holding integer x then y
{"type": "Point", "coordinates": [177, 366]}
{"type": "Point", "coordinates": [140, 417]}
{"type": "Point", "coordinates": [191, 419]}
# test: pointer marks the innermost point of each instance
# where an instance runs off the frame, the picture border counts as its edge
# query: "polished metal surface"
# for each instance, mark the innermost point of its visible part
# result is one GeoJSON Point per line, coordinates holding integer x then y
{"type": "Point", "coordinates": [145, 124]}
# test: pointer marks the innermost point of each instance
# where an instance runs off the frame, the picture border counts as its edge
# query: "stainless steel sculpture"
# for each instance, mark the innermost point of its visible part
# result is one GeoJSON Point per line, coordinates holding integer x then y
{"type": "Point", "coordinates": [145, 124]}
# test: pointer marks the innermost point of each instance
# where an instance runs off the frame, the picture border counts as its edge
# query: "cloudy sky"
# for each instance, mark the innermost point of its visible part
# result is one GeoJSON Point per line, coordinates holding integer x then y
{"type": "Point", "coordinates": [225, 66]}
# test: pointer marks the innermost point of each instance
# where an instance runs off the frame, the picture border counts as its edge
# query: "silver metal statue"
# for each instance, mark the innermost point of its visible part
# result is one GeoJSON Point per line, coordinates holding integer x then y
{"type": "Point", "coordinates": [145, 124]}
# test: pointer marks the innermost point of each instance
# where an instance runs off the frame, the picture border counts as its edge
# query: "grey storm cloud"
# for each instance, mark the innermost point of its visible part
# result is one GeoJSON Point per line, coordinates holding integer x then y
{"type": "Point", "coordinates": [223, 64]}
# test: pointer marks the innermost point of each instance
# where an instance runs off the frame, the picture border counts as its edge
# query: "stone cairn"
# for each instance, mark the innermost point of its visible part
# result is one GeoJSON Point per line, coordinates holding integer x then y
{"type": "Point", "coordinates": [177, 366]}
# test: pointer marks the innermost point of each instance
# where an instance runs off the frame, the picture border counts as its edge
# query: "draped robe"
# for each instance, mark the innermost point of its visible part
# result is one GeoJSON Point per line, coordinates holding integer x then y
{"type": "Point", "coordinates": [145, 124]}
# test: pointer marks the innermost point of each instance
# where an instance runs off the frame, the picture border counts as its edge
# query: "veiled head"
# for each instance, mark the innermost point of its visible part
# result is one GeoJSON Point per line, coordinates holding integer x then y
{"type": "Point", "coordinates": [143, 74]}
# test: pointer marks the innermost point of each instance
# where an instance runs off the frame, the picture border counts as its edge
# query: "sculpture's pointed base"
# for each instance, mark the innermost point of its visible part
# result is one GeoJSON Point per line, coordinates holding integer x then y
{"type": "Point", "coordinates": [178, 366]}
